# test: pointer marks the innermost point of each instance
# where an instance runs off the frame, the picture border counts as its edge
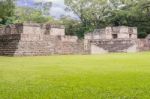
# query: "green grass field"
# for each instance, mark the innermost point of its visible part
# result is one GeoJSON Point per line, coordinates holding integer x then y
{"type": "Point", "coordinates": [107, 76]}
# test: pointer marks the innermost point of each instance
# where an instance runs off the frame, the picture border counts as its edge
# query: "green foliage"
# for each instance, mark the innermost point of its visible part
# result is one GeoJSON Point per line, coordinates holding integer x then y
{"type": "Point", "coordinates": [44, 7]}
{"type": "Point", "coordinates": [101, 13]}
{"type": "Point", "coordinates": [132, 14]}
{"type": "Point", "coordinates": [28, 14]}
{"type": "Point", "coordinates": [142, 34]}
{"type": "Point", "coordinates": [72, 26]}
{"type": "Point", "coordinates": [7, 8]}
{"type": "Point", "coordinates": [11, 14]}
{"type": "Point", "coordinates": [91, 13]}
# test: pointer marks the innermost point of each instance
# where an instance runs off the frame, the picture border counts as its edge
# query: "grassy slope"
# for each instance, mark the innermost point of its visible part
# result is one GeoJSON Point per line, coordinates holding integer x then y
{"type": "Point", "coordinates": [110, 76]}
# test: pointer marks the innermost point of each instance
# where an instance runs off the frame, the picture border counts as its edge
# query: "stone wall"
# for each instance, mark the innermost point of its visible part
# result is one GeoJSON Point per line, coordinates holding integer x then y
{"type": "Point", "coordinates": [14, 45]}
{"type": "Point", "coordinates": [105, 46]}
{"type": "Point", "coordinates": [118, 45]}
{"type": "Point", "coordinates": [32, 28]}
{"type": "Point", "coordinates": [36, 39]}
{"type": "Point", "coordinates": [11, 29]}
{"type": "Point", "coordinates": [143, 44]}
{"type": "Point", "coordinates": [121, 32]}
{"type": "Point", "coordinates": [67, 47]}
{"type": "Point", "coordinates": [116, 39]}
{"type": "Point", "coordinates": [46, 29]}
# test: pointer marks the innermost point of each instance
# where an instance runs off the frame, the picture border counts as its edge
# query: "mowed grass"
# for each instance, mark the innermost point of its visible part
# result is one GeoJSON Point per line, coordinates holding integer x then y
{"type": "Point", "coordinates": [107, 76]}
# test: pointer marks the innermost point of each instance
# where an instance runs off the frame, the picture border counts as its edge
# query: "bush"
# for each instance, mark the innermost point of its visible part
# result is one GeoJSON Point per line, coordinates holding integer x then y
{"type": "Point", "coordinates": [142, 34]}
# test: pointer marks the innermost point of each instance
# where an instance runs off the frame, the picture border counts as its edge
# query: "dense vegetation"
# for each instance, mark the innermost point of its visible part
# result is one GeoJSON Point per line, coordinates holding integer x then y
{"type": "Point", "coordinates": [7, 8]}
{"type": "Point", "coordinates": [91, 14]}
{"type": "Point", "coordinates": [10, 13]}
{"type": "Point", "coordinates": [101, 13]}
{"type": "Point", "coordinates": [108, 76]}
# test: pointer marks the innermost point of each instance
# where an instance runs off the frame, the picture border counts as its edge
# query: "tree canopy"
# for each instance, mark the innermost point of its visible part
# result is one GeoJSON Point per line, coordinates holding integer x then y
{"type": "Point", "coordinates": [7, 8]}
{"type": "Point", "coordinates": [101, 13]}
{"type": "Point", "coordinates": [91, 14]}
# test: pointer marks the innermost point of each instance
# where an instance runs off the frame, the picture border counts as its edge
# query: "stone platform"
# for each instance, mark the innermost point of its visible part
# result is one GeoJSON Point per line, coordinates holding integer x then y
{"type": "Point", "coordinates": [45, 39]}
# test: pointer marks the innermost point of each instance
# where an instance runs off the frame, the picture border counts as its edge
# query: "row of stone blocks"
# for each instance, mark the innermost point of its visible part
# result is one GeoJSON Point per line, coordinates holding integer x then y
{"type": "Point", "coordinates": [12, 45]}
{"type": "Point", "coordinates": [115, 45]}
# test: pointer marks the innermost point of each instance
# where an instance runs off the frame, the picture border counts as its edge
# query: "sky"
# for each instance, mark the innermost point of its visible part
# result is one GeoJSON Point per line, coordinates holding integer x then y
{"type": "Point", "coordinates": [57, 9]}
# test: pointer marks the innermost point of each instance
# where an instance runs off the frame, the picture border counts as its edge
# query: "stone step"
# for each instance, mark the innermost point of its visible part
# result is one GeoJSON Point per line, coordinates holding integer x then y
{"type": "Point", "coordinates": [24, 53]}
{"type": "Point", "coordinates": [8, 48]}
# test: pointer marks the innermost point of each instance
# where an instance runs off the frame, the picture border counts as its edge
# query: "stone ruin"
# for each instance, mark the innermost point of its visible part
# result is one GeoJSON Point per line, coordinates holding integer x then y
{"type": "Point", "coordinates": [45, 39]}
{"type": "Point", "coordinates": [116, 39]}
{"type": "Point", "coordinates": [109, 33]}
{"type": "Point", "coordinates": [38, 39]}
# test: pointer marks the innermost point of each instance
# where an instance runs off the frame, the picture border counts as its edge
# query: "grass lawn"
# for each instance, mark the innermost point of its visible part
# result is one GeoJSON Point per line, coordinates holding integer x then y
{"type": "Point", "coordinates": [107, 76]}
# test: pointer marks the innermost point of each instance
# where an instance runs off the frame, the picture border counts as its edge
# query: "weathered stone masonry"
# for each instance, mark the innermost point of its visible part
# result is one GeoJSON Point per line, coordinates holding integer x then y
{"type": "Point", "coordinates": [116, 39]}
{"type": "Point", "coordinates": [35, 39]}
{"type": "Point", "coordinates": [38, 39]}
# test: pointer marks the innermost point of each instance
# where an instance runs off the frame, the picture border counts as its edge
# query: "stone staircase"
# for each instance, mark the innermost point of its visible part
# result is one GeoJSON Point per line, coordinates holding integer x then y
{"type": "Point", "coordinates": [9, 44]}
{"type": "Point", "coordinates": [115, 45]}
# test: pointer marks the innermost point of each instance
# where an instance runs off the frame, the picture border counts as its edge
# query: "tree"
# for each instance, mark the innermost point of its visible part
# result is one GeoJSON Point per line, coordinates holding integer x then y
{"type": "Point", "coordinates": [7, 8]}
{"type": "Point", "coordinates": [101, 13]}
{"type": "Point", "coordinates": [92, 13]}
{"type": "Point", "coordinates": [72, 26]}
{"type": "Point", "coordinates": [34, 15]}
{"type": "Point", "coordinates": [131, 13]}
{"type": "Point", "coordinates": [44, 7]}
